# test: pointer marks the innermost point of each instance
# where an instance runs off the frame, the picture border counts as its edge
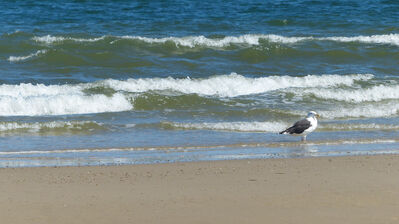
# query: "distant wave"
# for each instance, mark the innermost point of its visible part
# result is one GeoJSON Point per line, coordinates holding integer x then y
{"type": "Point", "coordinates": [249, 39]}
{"type": "Point", "coordinates": [392, 39]}
{"type": "Point", "coordinates": [189, 41]}
{"type": "Point", "coordinates": [53, 39]}
{"type": "Point", "coordinates": [23, 58]}
{"type": "Point", "coordinates": [192, 41]}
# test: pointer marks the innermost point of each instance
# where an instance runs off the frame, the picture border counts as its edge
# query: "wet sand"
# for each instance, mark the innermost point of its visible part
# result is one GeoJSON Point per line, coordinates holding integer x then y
{"type": "Point", "coordinates": [362, 189]}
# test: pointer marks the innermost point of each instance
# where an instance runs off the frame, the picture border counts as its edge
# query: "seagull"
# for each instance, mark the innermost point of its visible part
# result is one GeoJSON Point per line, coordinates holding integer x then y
{"type": "Point", "coordinates": [304, 126]}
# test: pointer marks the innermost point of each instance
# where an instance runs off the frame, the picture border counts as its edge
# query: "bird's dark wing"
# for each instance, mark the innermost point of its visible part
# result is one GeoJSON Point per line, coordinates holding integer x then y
{"type": "Point", "coordinates": [298, 128]}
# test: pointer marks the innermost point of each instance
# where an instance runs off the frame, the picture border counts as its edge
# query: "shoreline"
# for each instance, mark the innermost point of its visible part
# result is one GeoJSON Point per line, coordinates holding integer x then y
{"type": "Point", "coordinates": [351, 189]}
{"type": "Point", "coordinates": [179, 154]}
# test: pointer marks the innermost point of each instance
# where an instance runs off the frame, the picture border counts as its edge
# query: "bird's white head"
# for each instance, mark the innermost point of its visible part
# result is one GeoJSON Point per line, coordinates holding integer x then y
{"type": "Point", "coordinates": [313, 114]}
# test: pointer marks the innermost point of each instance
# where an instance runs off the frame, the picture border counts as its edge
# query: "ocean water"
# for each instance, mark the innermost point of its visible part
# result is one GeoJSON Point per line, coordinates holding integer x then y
{"type": "Point", "coordinates": [124, 82]}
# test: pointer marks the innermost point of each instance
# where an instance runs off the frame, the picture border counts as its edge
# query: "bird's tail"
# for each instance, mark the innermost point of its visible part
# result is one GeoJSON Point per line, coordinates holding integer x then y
{"type": "Point", "coordinates": [286, 131]}
{"type": "Point", "coordinates": [283, 132]}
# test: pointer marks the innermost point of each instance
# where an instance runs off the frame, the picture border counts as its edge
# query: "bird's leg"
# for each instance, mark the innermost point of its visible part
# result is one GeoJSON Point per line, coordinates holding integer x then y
{"type": "Point", "coordinates": [304, 138]}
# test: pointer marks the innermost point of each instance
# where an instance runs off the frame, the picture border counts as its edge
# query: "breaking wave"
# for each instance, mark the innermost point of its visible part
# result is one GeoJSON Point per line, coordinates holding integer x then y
{"type": "Point", "coordinates": [48, 39]}
{"type": "Point", "coordinates": [249, 39]}
{"type": "Point", "coordinates": [193, 41]}
{"type": "Point", "coordinates": [116, 95]}
{"type": "Point", "coordinates": [392, 39]}
{"type": "Point", "coordinates": [36, 100]}
{"type": "Point", "coordinates": [234, 84]}
{"type": "Point", "coordinates": [63, 104]}
{"type": "Point", "coordinates": [24, 58]}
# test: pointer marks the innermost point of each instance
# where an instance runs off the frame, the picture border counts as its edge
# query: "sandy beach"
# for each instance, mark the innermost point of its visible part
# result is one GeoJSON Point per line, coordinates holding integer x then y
{"type": "Point", "coordinates": [363, 189]}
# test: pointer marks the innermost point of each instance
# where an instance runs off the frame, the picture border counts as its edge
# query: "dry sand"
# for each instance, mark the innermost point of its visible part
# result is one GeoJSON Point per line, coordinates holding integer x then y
{"type": "Point", "coordinates": [362, 189]}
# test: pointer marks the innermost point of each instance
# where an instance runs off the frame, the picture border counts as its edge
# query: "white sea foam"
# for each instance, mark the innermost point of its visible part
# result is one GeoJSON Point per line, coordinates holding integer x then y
{"type": "Point", "coordinates": [233, 85]}
{"type": "Point", "coordinates": [250, 39]}
{"type": "Point", "coordinates": [234, 126]}
{"type": "Point", "coordinates": [23, 58]}
{"type": "Point", "coordinates": [254, 39]}
{"type": "Point", "coordinates": [34, 100]}
{"type": "Point", "coordinates": [375, 93]}
{"type": "Point", "coordinates": [62, 104]}
{"type": "Point", "coordinates": [48, 39]}
{"type": "Point", "coordinates": [193, 41]}
{"type": "Point", "coordinates": [188, 41]}
{"type": "Point", "coordinates": [39, 99]}
{"type": "Point", "coordinates": [392, 39]}
{"type": "Point", "coordinates": [222, 85]}
{"type": "Point", "coordinates": [31, 90]}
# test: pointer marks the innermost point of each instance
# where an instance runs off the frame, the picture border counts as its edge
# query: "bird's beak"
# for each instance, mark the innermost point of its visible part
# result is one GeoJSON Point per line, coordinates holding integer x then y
{"type": "Point", "coordinates": [318, 115]}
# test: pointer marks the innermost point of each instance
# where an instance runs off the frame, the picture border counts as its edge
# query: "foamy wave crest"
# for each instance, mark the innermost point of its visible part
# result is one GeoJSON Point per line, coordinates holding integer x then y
{"type": "Point", "coordinates": [232, 126]}
{"type": "Point", "coordinates": [23, 58]}
{"type": "Point", "coordinates": [249, 39]}
{"type": "Point", "coordinates": [188, 41]}
{"type": "Point", "coordinates": [35, 100]}
{"type": "Point", "coordinates": [233, 85]}
{"type": "Point", "coordinates": [30, 90]}
{"type": "Point", "coordinates": [376, 93]}
{"type": "Point", "coordinates": [43, 126]}
{"type": "Point", "coordinates": [254, 39]}
{"type": "Point", "coordinates": [193, 41]}
{"type": "Point", "coordinates": [48, 39]}
{"type": "Point", "coordinates": [392, 39]}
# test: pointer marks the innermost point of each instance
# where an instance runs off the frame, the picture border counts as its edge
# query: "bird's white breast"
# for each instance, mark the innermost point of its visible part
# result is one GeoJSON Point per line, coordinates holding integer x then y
{"type": "Point", "coordinates": [313, 122]}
